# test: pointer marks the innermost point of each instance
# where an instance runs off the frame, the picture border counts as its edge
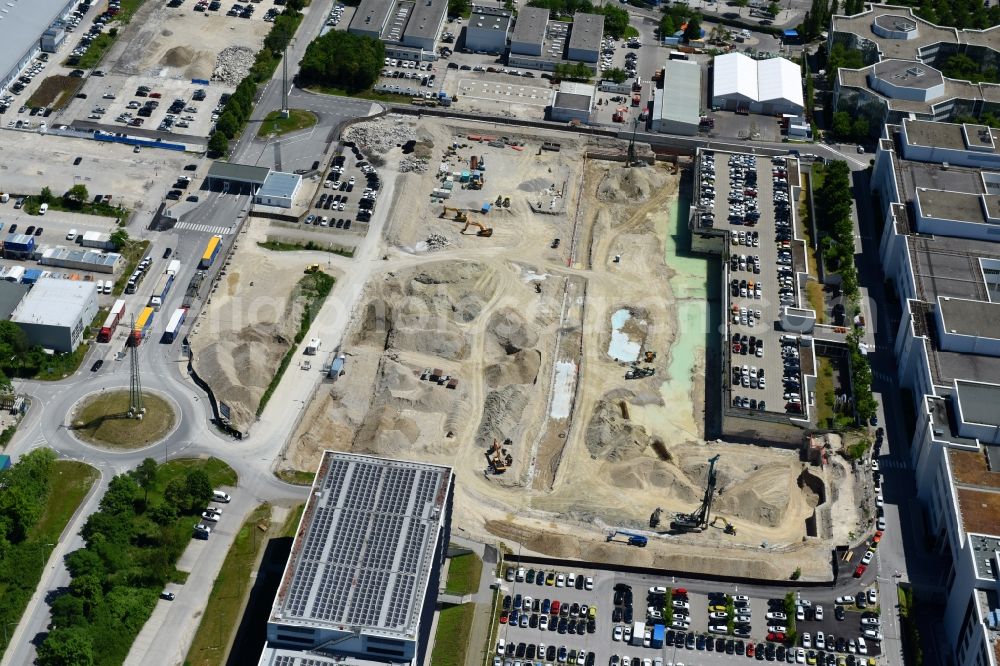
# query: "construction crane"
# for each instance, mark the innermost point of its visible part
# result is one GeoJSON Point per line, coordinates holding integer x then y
{"type": "Point", "coordinates": [633, 539]}
{"type": "Point", "coordinates": [460, 215]}
{"type": "Point", "coordinates": [484, 231]}
{"type": "Point", "coordinates": [698, 520]}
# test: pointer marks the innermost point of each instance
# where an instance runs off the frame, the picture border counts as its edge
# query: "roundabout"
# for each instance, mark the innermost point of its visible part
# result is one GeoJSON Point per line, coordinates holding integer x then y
{"type": "Point", "coordinates": [104, 419]}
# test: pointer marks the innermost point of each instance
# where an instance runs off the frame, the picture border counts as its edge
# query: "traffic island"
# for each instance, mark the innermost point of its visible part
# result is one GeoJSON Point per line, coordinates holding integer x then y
{"type": "Point", "coordinates": [103, 419]}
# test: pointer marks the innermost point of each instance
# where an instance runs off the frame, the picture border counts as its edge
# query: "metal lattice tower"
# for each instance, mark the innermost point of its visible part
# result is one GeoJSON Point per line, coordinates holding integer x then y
{"type": "Point", "coordinates": [135, 408]}
{"type": "Point", "coordinates": [284, 83]}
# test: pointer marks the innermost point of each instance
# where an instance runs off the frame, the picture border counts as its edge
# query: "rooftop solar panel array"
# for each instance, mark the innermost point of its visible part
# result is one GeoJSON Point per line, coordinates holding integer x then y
{"type": "Point", "coordinates": [367, 548]}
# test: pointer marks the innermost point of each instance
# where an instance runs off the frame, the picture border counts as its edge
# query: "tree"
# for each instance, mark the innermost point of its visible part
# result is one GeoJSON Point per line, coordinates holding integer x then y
{"type": "Point", "coordinates": [667, 26]}
{"type": "Point", "coordinates": [71, 646]}
{"type": "Point", "coordinates": [693, 30]}
{"type": "Point", "coordinates": [120, 496]}
{"type": "Point", "coordinates": [84, 562]}
{"type": "Point", "coordinates": [615, 21]}
{"type": "Point", "coordinates": [742, 4]}
{"type": "Point", "coordinates": [218, 144]}
{"type": "Point", "coordinates": [616, 74]}
{"type": "Point", "coordinates": [458, 7]}
{"type": "Point", "coordinates": [774, 8]}
{"type": "Point", "coordinates": [78, 194]}
{"type": "Point", "coordinates": [119, 238]}
{"type": "Point", "coordinates": [342, 60]}
{"type": "Point", "coordinates": [46, 195]}
{"type": "Point", "coordinates": [295, 5]}
{"type": "Point", "coordinates": [860, 129]}
{"type": "Point", "coordinates": [145, 476]}
{"type": "Point", "coordinates": [199, 488]}
{"type": "Point", "coordinates": [228, 124]}
{"type": "Point", "coordinates": [176, 494]}
{"type": "Point", "coordinates": [841, 125]}
{"type": "Point", "coordinates": [161, 513]}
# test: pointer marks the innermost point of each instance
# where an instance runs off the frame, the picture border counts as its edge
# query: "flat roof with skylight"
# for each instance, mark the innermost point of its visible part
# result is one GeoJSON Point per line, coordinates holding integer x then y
{"type": "Point", "coordinates": [979, 138]}
{"type": "Point", "coordinates": [365, 548]}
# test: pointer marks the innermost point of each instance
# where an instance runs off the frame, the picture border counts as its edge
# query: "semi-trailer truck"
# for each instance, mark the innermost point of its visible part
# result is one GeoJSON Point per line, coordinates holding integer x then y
{"type": "Point", "coordinates": [143, 323]}
{"type": "Point", "coordinates": [111, 322]}
{"type": "Point", "coordinates": [161, 290]}
{"type": "Point", "coordinates": [211, 251]}
{"type": "Point", "coordinates": [174, 325]}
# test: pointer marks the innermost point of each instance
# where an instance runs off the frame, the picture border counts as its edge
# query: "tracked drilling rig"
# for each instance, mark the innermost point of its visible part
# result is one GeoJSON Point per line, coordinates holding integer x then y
{"type": "Point", "coordinates": [698, 520]}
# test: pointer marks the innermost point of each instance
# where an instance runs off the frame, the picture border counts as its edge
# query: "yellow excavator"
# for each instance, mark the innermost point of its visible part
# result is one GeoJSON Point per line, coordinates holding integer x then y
{"type": "Point", "coordinates": [484, 231]}
{"type": "Point", "coordinates": [460, 215]}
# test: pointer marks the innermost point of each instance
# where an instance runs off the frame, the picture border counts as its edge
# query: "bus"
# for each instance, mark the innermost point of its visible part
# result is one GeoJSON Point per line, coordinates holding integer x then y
{"type": "Point", "coordinates": [174, 325]}
{"type": "Point", "coordinates": [211, 251]}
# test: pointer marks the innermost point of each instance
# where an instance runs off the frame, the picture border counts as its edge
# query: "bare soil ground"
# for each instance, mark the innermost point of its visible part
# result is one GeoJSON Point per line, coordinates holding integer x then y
{"type": "Point", "coordinates": [249, 323]}
{"type": "Point", "coordinates": [525, 328]}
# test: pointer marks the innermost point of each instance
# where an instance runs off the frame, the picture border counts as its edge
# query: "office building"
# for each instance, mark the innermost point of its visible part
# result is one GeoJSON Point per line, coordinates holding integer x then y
{"type": "Point", "coordinates": [529, 31]}
{"type": "Point", "coordinates": [487, 29]}
{"type": "Point", "coordinates": [585, 37]}
{"type": "Point", "coordinates": [279, 190]}
{"type": "Point", "coordinates": [677, 105]}
{"type": "Point", "coordinates": [55, 313]}
{"type": "Point", "coordinates": [409, 29]}
{"type": "Point", "coordinates": [361, 582]}
{"type": "Point", "coordinates": [939, 254]}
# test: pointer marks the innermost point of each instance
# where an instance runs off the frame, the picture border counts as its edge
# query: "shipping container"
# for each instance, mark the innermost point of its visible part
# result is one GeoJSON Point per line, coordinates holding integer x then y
{"type": "Point", "coordinates": [4, 462]}
{"type": "Point", "coordinates": [32, 275]}
{"type": "Point", "coordinates": [161, 290]}
{"type": "Point", "coordinates": [142, 325]}
{"type": "Point", "coordinates": [659, 632]}
{"type": "Point", "coordinates": [14, 274]}
{"type": "Point", "coordinates": [111, 323]}
{"type": "Point", "coordinates": [211, 251]}
{"type": "Point", "coordinates": [174, 325]}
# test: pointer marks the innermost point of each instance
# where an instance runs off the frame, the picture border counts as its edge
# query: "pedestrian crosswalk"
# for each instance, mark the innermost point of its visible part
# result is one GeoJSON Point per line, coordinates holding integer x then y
{"type": "Point", "coordinates": [203, 228]}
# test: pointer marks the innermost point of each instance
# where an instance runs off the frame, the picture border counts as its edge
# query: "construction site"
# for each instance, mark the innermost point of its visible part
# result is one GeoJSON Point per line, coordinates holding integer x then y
{"type": "Point", "coordinates": [537, 321]}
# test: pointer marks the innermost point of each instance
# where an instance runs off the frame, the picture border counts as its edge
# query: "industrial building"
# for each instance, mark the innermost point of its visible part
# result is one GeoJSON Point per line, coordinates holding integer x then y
{"type": "Point", "coordinates": [11, 295]}
{"type": "Point", "coordinates": [742, 84]}
{"type": "Point", "coordinates": [409, 29]}
{"type": "Point", "coordinates": [84, 260]}
{"type": "Point", "coordinates": [21, 28]}
{"type": "Point", "coordinates": [487, 29]}
{"type": "Point", "coordinates": [573, 101]}
{"type": "Point", "coordinates": [937, 187]}
{"type": "Point", "coordinates": [904, 56]}
{"type": "Point", "coordinates": [232, 176]}
{"type": "Point", "coordinates": [55, 313]}
{"type": "Point", "coordinates": [529, 31]}
{"type": "Point", "coordinates": [279, 189]}
{"type": "Point", "coordinates": [677, 105]}
{"type": "Point", "coordinates": [585, 38]}
{"type": "Point", "coordinates": [362, 578]}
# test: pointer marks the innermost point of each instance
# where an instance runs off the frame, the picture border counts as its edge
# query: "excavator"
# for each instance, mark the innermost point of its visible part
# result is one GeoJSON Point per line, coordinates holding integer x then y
{"type": "Point", "coordinates": [460, 215]}
{"type": "Point", "coordinates": [484, 231]}
{"type": "Point", "coordinates": [499, 458]}
{"type": "Point", "coordinates": [697, 521]}
{"type": "Point", "coordinates": [728, 527]}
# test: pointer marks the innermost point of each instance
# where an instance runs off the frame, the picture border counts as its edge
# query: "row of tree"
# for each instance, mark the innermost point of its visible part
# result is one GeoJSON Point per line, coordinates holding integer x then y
{"type": "Point", "coordinates": [342, 60]}
{"type": "Point", "coordinates": [131, 546]}
{"type": "Point", "coordinates": [833, 202]}
{"type": "Point", "coordinates": [237, 110]}
{"type": "Point", "coordinates": [18, 357]}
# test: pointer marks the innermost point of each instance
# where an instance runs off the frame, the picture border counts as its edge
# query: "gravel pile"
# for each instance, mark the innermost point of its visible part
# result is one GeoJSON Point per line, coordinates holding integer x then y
{"type": "Point", "coordinates": [378, 138]}
{"type": "Point", "coordinates": [408, 164]}
{"type": "Point", "coordinates": [436, 242]}
{"type": "Point", "coordinates": [233, 64]}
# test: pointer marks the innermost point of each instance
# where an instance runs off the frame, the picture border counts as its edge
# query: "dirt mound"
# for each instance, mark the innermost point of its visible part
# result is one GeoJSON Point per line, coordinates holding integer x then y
{"type": "Point", "coordinates": [625, 185]}
{"type": "Point", "coordinates": [511, 331]}
{"type": "Point", "coordinates": [518, 368]}
{"type": "Point", "coordinates": [179, 56]}
{"type": "Point", "coordinates": [542, 542]}
{"type": "Point", "coordinates": [502, 415]}
{"type": "Point", "coordinates": [612, 437]}
{"type": "Point", "coordinates": [642, 473]}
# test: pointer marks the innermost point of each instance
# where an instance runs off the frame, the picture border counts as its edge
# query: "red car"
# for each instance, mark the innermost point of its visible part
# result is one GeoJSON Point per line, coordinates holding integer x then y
{"type": "Point", "coordinates": [859, 571]}
{"type": "Point", "coordinates": [681, 591]}
{"type": "Point", "coordinates": [503, 617]}
{"type": "Point", "coordinates": [877, 537]}
{"type": "Point", "coordinates": [749, 649]}
{"type": "Point", "coordinates": [776, 636]}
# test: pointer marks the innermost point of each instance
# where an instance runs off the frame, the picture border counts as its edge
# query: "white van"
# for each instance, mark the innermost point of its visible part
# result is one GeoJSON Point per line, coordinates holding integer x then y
{"type": "Point", "coordinates": [220, 496]}
{"type": "Point", "coordinates": [107, 287]}
{"type": "Point", "coordinates": [100, 286]}
{"type": "Point", "coordinates": [41, 209]}
{"type": "Point", "coordinates": [71, 236]}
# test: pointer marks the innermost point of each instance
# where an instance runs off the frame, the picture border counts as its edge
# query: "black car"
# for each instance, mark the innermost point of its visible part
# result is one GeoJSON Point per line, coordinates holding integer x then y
{"type": "Point", "coordinates": [190, 167]}
{"type": "Point", "coordinates": [506, 599]}
{"type": "Point", "coordinates": [30, 230]}
{"type": "Point", "coordinates": [550, 653]}
{"type": "Point", "coordinates": [169, 596]}
{"type": "Point", "coordinates": [39, 230]}
{"type": "Point", "coordinates": [12, 228]}
{"type": "Point", "coordinates": [77, 161]}
{"type": "Point", "coordinates": [689, 641]}
{"type": "Point", "coordinates": [616, 615]}
{"type": "Point", "coordinates": [628, 615]}
{"type": "Point", "coordinates": [97, 365]}
{"type": "Point", "coordinates": [838, 612]}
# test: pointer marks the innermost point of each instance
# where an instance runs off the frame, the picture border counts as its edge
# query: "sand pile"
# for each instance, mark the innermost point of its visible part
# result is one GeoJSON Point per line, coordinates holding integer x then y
{"type": "Point", "coordinates": [517, 368]}
{"type": "Point", "coordinates": [502, 415]}
{"type": "Point", "coordinates": [644, 473]}
{"type": "Point", "coordinates": [624, 185]}
{"type": "Point", "coordinates": [179, 56]}
{"type": "Point", "coordinates": [511, 332]}
{"type": "Point", "coordinates": [612, 437]}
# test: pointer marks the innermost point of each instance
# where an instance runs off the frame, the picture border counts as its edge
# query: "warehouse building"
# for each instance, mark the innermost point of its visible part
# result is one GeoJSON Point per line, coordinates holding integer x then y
{"type": "Point", "coordinates": [279, 189]}
{"type": "Point", "coordinates": [529, 31]}
{"type": "Point", "coordinates": [585, 38]}
{"type": "Point", "coordinates": [21, 28]}
{"type": "Point", "coordinates": [84, 260]}
{"type": "Point", "coordinates": [677, 105]}
{"type": "Point", "coordinates": [487, 29]}
{"type": "Point", "coordinates": [236, 177]}
{"type": "Point", "coordinates": [361, 582]}
{"type": "Point", "coordinates": [745, 85]}
{"type": "Point", "coordinates": [11, 295]}
{"type": "Point", "coordinates": [370, 18]}
{"type": "Point", "coordinates": [55, 313]}
{"type": "Point", "coordinates": [573, 101]}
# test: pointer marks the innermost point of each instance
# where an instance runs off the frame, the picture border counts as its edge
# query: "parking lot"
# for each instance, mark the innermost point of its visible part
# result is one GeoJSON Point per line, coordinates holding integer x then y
{"type": "Point", "coordinates": [749, 198]}
{"type": "Point", "coordinates": [348, 196]}
{"type": "Point", "coordinates": [588, 617]}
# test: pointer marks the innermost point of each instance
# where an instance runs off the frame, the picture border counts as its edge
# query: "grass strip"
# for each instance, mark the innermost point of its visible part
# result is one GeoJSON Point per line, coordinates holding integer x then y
{"type": "Point", "coordinates": [60, 366]}
{"type": "Point", "coordinates": [464, 572]}
{"type": "Point", "coordinates": [451, 642]}
{"type": "Point", "coordinates": [133, 252]}
{"type": "Point", "coordinates": [282, 246]}
{"type": "Point", "coordinates": [297, 477]}
{"type": "Point", "coordinates": [274, 123]}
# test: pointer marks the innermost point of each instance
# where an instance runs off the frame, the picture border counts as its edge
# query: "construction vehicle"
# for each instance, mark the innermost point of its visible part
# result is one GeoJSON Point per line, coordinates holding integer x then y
{"type": "Point", "coordinates": [650, 356]}
{"type": "Point", "coordinates": [499, 458]}
{"type": "Point", "coordinates": [633, 539]}
{"type": "Point", "coordinates": [698, 520]}
{"type": "Point", "coordinates": [460, 215]}
{"type": "Point", "coordinates": [484, 231]}
{"type": "Point", "coordinates": [619, 115]}
{"type": "Point", "coordinates": [654, 518]}
{"type": "Point", "coordinates": [728, 527]}
{"type": "Point", "coordinates": [312, 268]}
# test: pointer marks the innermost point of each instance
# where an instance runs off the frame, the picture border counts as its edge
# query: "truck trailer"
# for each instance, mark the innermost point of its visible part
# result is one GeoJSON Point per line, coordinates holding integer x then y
{"type": "Point", "coordinates": [111, 322]}
{"type": "Point", "coordinates": [638, 633]}
{"type": "Point", "coordinates": [211, 251]}
{"type": "Point", "coordinates": [161, 290]}
{"type": "Point", "coordinates": [174, 325]}
{"type": "Point", "coordinates": [143, 323]}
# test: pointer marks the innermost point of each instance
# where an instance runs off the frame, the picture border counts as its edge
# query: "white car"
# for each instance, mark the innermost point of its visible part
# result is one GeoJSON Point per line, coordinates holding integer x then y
{"type": "Point", "coordinates": [846, 600]}
{"type": "Point", "coordinates": [627, 635]}
{"type": "Point", "coordinates": [617, 634]}
{"type": "Point", "coordinates": [776, 616]}
{"type": "Point", "coordinates": [210, 516]}
{"type": "Point", "coordinates": [800, 613]}
{"type": "Point", "coordinates": [742, 597]}
{"type": "Point", "coordinates": [780, 629]}
{"type": "Point", "coordinates": [807, 641]}
{"type": "Point", "coordinates": [819, 612]}
{"type": "Point", "coordinates": [872, 596]}
{"type": "Point", "coordinates": [873, 634]}
{"type": "Point", "coordinates": [543, 622]}
{"type": "Point", "coordinates": [867, 559]}
{"type": "Point", "coordinates": [718, 628]}
{"type": "Point", "coordinates": [719, 616]}
{"type": "Point", "coordinates": [862, 647]}
{"type": "Point", "coordinates": [870, 622]}
{"type": "Point", "coordinates": [659, 589]}
{"type": "Point", "coordinates": [678, 603]}
{"type": "Point", "coordinates": [820, 641]}
{"type": "Point", "coordinates": [561, 580]}
{"type": "Point", "coordinates": [588, 584]}
{"type": "Point", "coordinates": [800, 656]}
{"type": "Point", "coordinates": [501, 646]}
